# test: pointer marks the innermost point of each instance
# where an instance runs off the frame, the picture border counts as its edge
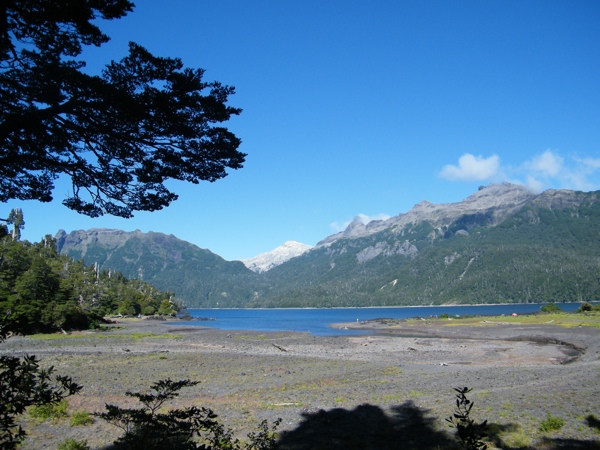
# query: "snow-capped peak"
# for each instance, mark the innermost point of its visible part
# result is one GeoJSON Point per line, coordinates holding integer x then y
{"type": "Point", "coordinates": [285, 252]}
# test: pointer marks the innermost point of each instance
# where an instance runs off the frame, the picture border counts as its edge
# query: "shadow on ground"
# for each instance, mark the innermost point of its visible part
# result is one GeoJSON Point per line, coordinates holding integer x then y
{"type": "Point", "coordinates": [407, 427]}
{"type": "Point", "coordinates": [368, 427]}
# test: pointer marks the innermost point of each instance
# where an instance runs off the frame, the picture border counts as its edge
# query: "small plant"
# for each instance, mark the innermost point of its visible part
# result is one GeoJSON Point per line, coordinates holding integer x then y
{"type": "Point", "coordinates": [73, 444]}
{"type": "Point", "coordinates": [81, 418]}
{"type": "Point", "coordinates": [469, 433]}
{"type": "Point", "coordinates": [551, 423]}
{"type": "Point", "coordinates": [190, 428]}
{"type": "Point", "coordinates": [49, 410]}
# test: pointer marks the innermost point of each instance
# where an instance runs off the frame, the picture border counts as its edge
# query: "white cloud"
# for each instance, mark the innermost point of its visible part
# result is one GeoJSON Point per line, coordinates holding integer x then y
{"type": "Point", "coordinates": [338, 226]}
{"type": "Point", "coordinates": [533, 184]}
{"type": "Point", "coordinates": [365, 219]}
{"type": "Point", "coordinates": [543, 171]}
{"type": "Point", "coordinates": [548, 164]}
{"type": "Point", "coordinates": [592, 164]}
{"type": "Point", "coordinates": [472, 168]}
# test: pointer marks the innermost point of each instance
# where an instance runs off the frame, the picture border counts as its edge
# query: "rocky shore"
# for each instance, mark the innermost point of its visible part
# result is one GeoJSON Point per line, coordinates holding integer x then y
{"type": "Point", "coordinates": [390, 388]}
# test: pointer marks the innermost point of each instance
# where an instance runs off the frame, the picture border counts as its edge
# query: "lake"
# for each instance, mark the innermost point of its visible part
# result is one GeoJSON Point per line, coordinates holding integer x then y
{"type": "Point", "coordinates": [317, 321]}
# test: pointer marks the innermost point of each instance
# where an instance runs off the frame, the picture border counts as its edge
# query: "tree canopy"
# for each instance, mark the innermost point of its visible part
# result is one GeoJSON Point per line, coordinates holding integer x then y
{"type": "Point", "coordinates": [119, 135]}
{"type": "Point", "coordinates": [47, 292]}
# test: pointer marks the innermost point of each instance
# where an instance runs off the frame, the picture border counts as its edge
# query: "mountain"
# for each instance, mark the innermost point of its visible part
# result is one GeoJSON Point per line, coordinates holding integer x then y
{"type": "Point", "coordinates": [502, 244]}
{"type": "Point", "coordinates": [283, 253]}
{"type": "Point", "coordinates": [195, 275]}
{"type": "Point", "coordinates": [497, 200]}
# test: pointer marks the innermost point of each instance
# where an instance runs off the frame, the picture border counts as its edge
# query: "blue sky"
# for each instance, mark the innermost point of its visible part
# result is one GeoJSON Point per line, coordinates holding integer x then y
{"type": "Point", "coordinates": [366, 108]}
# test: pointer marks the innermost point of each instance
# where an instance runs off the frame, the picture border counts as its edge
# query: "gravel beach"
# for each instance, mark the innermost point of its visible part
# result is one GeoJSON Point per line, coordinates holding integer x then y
{"type": "Point", "coordinates": [391, 388]}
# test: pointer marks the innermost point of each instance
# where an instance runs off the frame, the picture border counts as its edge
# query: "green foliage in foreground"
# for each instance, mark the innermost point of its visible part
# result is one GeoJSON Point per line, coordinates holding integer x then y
{"type": "Point", "coordinates": [24, 384]}
{"type": "Point", "coordinates": [147, 428]}
{"type": "Point", "coordinates": [471, 434]}
{"type": "Point", "coordinates": [46, 292]}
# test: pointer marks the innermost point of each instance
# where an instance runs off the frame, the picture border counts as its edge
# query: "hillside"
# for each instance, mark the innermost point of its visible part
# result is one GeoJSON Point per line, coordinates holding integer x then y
{"type": "Point", "coordinates": [502, 244]}
{"type": "Point", "coordinates": [196, 275]}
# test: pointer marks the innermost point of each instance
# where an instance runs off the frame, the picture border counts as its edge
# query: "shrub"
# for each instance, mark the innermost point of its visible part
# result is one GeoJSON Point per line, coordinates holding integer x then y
{"type": "Point", "coordinates": [23, 384]}
{"type": "Point", "coordinates": [147, 429]}
{"type": "Point", "coordinates": [72, 444]}
{"type": "Point", "coordinates": [49, 410]}
{"type": "Point", "coordinates": [551, 423]}
{"type": "Point", "coordinates": [551, 308]}
{"type": "Point", "coordinates": [81, 418]}
{"type": "Point", "coordinates": [470, 433]}
{"type": "Point", "coordinates": [587, 307]}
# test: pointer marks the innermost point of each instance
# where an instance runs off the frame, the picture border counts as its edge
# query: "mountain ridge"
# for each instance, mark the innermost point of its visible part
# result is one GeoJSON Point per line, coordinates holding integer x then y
{"type": "Point", "coordinates": [501, 244]}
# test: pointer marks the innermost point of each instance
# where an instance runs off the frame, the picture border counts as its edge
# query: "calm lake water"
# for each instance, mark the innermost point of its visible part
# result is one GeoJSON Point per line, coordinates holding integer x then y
{"type": "Point", "coordinates": [317, 321]}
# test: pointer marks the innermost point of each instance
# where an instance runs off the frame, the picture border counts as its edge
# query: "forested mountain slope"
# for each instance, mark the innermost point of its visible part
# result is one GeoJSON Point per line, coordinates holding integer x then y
{"type": "Point", "coordinates": [196, 275]}
{"type": "Point", "coordinates": [502, 244]}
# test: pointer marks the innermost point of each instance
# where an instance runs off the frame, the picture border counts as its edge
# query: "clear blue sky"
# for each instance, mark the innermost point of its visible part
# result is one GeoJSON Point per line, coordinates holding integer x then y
{"type": "Point", "coordinates": [367, 107]}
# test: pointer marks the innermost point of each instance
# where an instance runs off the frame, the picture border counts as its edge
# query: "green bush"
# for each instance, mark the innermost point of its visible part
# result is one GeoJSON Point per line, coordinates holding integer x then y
{"type": "Point", "coordinates": [587, 307]}
{"type": "Point", "coordinates": [551, 423]}
{"type": "Point", "coordinates": [49, 410]}
{"type": "Point", "coordinates": [81, 418]}
{"type": "Point", "coordinates": [551, 308]}
{"type": "Point", "coordinates": [72, 444]}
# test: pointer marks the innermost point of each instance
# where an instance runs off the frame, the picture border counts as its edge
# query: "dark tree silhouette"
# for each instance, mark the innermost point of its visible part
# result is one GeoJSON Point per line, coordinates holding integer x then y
{"type": "Point", "coordinates": [23, 383]}
{"type": "Point", "coordinates": [118, 135]}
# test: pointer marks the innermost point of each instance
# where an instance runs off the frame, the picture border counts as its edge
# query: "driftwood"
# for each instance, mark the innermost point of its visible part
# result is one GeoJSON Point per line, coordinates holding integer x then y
{"type": "Point", "coordinates": [279, 347]}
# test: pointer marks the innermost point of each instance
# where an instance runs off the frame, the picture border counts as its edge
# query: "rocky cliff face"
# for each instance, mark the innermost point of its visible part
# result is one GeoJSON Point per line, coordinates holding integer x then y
{"type": "Point", "coordinates": [497, 201]}
{"type": "Point", "coordinates": [266, 261]}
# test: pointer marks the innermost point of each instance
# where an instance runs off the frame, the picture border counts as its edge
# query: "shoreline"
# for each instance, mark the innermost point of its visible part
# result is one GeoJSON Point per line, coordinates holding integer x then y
{"type": "Point", "coordinates": [392, 307]}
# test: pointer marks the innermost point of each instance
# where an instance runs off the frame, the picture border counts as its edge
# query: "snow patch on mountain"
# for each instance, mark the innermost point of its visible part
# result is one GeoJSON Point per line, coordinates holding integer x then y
{"type": "Point", "coordinates": [283, 253]}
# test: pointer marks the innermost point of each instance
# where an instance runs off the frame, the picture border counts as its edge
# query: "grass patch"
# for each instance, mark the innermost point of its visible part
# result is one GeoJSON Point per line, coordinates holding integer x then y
{"type": "Point", "coordinates": [57, 336]}
{"type": "Point", "coordinates": [73, 444]}
{"type": "Point", "coordinates": [392, 370]}
{"type": "Point", "coordinates": [52, 411]}
{"type": "Point", "coordinates": [563, 319]}
{"type": "Point", "coordinates": [259, 337]}
{"type": "Point", "coordinates": [551, 423]}
{"type": "Point", "coordinates": [518, 439]}
{"type": "Point", "coordinates": [81, 418]}
{"type": "Point", "coordinates": [140, 336]}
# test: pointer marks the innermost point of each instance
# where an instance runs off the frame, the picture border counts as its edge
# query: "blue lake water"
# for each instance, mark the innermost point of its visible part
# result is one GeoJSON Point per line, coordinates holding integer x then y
{"type": "Point", "coordinates": [318, 321]}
